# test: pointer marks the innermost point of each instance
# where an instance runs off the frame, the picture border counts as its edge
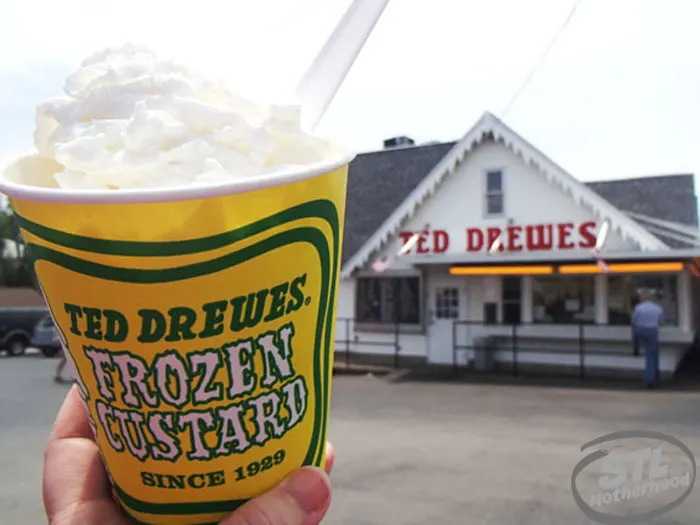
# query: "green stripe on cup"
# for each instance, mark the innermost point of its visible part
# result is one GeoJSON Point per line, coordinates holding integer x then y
{"type": "Point", "coordinates": [321, 208]}
{"type": "Point", "coordinates": [142, 507]}
{"type": "Point", "coordinates": [310, 235]}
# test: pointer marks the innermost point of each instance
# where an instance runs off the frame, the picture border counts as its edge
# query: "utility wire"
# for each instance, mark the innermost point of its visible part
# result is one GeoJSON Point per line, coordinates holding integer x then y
{"type": "Point", "coordinates": [542, 58]}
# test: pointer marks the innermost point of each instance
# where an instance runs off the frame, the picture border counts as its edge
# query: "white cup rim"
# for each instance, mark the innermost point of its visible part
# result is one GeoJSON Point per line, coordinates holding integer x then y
{"type": "Point", "coordinates": [24, 192]}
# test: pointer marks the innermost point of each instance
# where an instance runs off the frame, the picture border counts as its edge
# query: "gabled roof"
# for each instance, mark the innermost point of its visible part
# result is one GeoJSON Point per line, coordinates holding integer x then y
{"type": "Point", "coordinates": [388, 187]}
{"type": "Point", "coordinates": [640, 197]}
{"type": "Point", "coordinates": [378, 183]}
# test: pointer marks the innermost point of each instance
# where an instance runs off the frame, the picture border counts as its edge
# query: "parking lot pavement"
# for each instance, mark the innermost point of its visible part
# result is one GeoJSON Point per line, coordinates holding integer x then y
{"type": "Point", "coordinates": [407, 453]}
{"type": "Point", "coordinates": [29, 400]}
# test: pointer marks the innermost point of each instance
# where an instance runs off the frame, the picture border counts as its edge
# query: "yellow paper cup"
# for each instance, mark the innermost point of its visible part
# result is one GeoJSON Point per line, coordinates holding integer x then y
{"type": "Point", "coordinates": [200, 321]}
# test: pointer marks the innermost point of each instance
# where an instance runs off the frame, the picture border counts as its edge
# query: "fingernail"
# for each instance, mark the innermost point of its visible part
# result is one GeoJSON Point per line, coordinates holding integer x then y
{"type": "Point", "coordinates": [308, 486]}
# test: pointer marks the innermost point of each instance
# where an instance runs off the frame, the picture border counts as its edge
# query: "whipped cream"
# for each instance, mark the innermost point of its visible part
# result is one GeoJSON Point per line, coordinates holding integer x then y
{"type": "Point", "coordinates": [129, 120]}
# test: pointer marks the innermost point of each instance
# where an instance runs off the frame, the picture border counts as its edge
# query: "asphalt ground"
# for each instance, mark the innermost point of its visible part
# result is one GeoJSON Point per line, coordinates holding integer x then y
{"type": "Point", "coordinates": [420, 451]}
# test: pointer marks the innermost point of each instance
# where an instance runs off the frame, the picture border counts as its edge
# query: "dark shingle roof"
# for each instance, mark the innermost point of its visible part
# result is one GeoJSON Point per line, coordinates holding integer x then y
{"type": "Point", "coordinates": [380, 181]}
{"type": "Point", "coordinates": [666, 197]}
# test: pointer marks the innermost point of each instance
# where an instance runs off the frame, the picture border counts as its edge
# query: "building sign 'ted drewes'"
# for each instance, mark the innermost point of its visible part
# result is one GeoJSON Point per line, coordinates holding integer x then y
{"type": "Point", "coordinates": [514, 238]}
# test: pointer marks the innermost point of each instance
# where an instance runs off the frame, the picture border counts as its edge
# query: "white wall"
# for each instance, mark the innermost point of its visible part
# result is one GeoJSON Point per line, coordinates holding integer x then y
{"type": "Point", "coordinates": [529, 199]}
{"type": "Point", "coordinates": [346, 299]}
{"type": "Point", "coordinates": [459, 204]}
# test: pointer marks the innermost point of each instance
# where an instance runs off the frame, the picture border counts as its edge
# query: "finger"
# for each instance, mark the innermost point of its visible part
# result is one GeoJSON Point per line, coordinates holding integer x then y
{"type": "Point", "coordinates": [73, 470]}
{"type": "Point", "coordinates": [301, 499]}
{"type": "Point", "coordinates": [72, 421]}
{"type": "Point", "coordinates": [330, 457]}
{"type": "Point", "coordinates": [75, 486]}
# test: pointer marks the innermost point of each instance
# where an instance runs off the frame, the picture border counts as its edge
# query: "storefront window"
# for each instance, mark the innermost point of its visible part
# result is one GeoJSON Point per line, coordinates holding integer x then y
{"type": "Point", "coordinates": [388, 300]}
{"type": "Point", "coordinates": [511, 297]}
{"type": "Point", "coordinates": [447, 303]}
{"type": "Point", "coordinates": [624, 292]}
{"type": "Point", "coordinates": [563, 300]}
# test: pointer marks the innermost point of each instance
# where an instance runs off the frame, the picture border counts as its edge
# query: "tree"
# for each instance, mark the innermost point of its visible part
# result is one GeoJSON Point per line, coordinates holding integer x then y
{"type": "Point", "coordinates": [7, 230]}
{"type": "Point", "coordinates": [15, 268]}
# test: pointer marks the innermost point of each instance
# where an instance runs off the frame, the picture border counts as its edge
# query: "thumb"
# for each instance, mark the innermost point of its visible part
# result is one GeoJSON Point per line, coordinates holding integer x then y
{"type": "Point", "coordinates": [301, 499]}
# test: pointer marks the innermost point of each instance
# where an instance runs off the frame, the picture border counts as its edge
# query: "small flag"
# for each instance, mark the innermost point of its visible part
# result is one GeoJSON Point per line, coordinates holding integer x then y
{"type": "Point", "coordinates": [381, 265]}
{"type": "Point", "coordinates": [600, 244]}
{"type": "Point", "coordinates": [601, 263]}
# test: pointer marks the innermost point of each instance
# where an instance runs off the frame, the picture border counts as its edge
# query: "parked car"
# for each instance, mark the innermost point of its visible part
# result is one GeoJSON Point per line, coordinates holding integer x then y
{"type": "Point", "coordinates": [17, 328]}
{"type": "Point", "coordinates": [45, 337]}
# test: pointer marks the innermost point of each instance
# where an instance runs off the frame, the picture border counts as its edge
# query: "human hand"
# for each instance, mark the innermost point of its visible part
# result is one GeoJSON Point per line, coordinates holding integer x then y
{"type": "Point", "coordinates": [77, 490]}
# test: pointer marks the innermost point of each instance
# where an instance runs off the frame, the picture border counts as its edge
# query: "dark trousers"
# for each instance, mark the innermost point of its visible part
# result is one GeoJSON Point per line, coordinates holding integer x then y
{"type": "Point", "coordinates": [649, 337]}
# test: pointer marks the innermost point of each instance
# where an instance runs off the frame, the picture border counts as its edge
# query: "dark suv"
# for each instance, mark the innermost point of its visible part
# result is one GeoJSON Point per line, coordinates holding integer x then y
{"type": "Point", "coordinates": [17, 328]}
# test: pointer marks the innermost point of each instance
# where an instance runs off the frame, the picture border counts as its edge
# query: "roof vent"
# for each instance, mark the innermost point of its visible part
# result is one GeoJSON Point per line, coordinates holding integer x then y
{"type": "Point", "coordinates": [398, 141]}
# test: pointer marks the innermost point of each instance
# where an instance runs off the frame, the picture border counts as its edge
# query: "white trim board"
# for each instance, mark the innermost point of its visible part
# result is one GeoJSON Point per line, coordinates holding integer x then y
{"type": "Point", "coordinates": [549, 257]}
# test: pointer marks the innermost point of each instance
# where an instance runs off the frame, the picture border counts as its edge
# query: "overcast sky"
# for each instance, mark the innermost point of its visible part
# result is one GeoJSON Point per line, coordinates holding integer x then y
{"type": "Point", "coordinates": [618, 96]}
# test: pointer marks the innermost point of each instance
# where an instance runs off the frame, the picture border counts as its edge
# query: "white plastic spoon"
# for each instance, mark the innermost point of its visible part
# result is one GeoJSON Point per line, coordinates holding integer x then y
{"type": "Point", "coordinates": [326, 73]}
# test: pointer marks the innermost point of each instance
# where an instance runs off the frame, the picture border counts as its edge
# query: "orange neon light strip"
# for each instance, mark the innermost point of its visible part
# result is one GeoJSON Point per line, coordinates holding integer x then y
{"type": "Point", "coordinates": [502, 270]}
{"type": "Point", "coordinates": [568, 269]}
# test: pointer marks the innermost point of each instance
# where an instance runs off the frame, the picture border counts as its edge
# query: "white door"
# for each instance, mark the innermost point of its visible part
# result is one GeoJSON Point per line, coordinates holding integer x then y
{"type": "Point", "coordinates": [445, 309]}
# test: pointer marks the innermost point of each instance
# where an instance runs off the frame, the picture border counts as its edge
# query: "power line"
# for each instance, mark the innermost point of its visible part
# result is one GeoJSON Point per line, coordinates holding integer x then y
{"type": "Point", "coordinates": [542, 58]}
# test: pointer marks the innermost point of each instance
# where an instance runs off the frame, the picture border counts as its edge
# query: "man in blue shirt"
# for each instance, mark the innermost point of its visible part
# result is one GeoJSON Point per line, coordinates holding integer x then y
{"type": "Point", "coordinates": [646, 319]}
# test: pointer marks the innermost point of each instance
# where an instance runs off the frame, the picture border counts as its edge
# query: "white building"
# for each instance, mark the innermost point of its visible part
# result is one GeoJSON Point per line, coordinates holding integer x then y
{"type": "Point", "coordinates": [542, 292]}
